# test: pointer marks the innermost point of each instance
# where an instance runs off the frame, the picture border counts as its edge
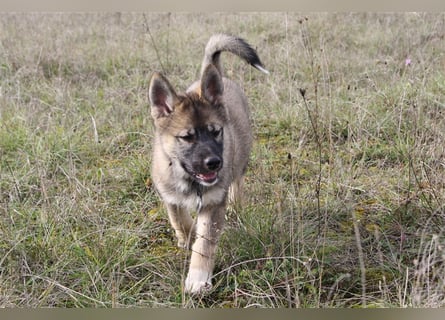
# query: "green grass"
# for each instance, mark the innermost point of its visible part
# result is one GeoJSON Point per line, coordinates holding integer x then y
{"type": "Point", "coordinates": [345, 189]}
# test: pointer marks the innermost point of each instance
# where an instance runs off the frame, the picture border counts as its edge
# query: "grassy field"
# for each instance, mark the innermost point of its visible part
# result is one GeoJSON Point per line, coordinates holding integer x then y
{"type": "Point", "coordinates": [345, 191]}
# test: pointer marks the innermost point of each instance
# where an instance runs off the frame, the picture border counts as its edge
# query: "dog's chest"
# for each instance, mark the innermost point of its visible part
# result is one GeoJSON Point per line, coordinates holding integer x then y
{"type": "Point", "coordinates": [184, 195]}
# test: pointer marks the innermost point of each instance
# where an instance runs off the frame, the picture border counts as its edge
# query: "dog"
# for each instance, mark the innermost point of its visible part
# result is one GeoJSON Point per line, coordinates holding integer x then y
{"type": "Point", "coordinates": [201, 149]}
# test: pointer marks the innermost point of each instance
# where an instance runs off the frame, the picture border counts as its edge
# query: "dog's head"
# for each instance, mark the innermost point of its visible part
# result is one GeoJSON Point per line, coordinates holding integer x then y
{"type": "Point", "coordinates": [191, 125]}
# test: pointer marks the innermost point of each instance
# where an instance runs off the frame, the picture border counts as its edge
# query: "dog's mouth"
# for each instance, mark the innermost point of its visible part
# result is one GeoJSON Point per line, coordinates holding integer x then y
{"type": "Point", "coordinates": [203, 176]}
{"type": "Point", "coordinates": [208, 179]}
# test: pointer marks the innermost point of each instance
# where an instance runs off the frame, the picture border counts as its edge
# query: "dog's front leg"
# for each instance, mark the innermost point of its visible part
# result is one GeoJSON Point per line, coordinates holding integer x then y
{"type": "Point", "coordinates": [210, 223]}
{"type": "Point", "coordinates": [182, 222]}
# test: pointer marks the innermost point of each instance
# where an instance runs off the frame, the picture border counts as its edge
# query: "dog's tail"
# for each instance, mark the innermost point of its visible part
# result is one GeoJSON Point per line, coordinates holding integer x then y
{"type": "Point", "coordinates": [222, 42]}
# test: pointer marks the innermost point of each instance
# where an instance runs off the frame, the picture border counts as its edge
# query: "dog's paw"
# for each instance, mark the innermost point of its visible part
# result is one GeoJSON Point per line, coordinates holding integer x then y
{"type": "Point", "coordinates": [183, 244]}
{"type": "Point", "coordinates": [185, 241]}
{"type": "Point", "coordinates": [198, 282]}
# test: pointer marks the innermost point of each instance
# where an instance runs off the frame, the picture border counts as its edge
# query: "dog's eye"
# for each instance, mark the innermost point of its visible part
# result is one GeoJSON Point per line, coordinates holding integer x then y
{"type": "Point", "coordinates": [187, 137]}
{"type": "Point", "coordinates": [216, 132]}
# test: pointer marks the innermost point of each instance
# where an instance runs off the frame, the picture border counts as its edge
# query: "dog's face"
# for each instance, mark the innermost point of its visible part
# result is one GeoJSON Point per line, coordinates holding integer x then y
{"type": "Point", "coordinates": [191, 126]}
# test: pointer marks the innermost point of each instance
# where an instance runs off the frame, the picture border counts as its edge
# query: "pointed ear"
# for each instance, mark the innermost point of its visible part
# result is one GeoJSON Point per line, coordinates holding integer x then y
{"type": "Point", "coordinates": [212, 86]}
{"type": "Point", "coordinates": [162, 96]}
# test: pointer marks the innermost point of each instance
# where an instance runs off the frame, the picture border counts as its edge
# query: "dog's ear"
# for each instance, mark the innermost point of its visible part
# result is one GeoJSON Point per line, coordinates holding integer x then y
{"type": "Point", "coordinates": [212, 86]}
{"type": "Point", "coordinates": [162, 96]}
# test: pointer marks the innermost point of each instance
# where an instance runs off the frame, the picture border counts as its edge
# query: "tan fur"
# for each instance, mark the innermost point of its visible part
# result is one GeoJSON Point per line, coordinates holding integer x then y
{"type": "Point", "coordinates": [210, 104]}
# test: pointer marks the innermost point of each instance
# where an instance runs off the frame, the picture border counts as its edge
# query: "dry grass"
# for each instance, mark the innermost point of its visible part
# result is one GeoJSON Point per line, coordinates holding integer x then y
{"type": "Point", "coordinates": [345, 190]}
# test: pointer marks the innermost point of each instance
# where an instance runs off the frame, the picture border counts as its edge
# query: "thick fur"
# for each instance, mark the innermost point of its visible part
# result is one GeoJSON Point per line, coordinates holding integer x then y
{"type": "Point", "coordinates": [201, 149]}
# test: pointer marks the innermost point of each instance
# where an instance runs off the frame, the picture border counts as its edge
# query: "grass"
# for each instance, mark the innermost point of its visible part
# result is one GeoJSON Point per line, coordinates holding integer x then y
{"type": "Point", "coordinates": [345, 188]}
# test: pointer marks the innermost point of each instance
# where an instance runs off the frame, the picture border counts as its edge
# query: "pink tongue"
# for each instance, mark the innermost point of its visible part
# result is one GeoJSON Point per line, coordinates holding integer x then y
{"type": "Point", "coordinates": [207, 176]}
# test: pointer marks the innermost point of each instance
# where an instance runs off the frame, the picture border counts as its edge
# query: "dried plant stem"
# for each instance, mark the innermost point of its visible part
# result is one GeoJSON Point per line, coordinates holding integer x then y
{"type": "Point", "coordinates": [360, 257]}
{"type": "Point", "coordinates": [147, 28]}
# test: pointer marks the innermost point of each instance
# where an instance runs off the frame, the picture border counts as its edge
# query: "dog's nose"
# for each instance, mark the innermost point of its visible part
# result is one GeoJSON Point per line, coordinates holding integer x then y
{"type": "Point", "coordinates": [213, 163]}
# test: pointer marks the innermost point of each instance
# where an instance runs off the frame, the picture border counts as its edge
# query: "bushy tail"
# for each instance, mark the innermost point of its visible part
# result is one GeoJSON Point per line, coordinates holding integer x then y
{"type": "Point", "coordinates": [222, 42]}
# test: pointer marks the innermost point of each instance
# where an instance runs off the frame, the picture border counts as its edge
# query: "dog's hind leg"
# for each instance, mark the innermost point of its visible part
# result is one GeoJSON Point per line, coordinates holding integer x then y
{"type": "Point", "coordinates": [236, 196]}
{"type": "Point", "coordinates": [183, 224]}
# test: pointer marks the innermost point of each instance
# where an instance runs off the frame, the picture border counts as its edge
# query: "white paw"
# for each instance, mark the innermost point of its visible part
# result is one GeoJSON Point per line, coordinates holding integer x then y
{"type": "Point", "coordinates": [198, 281]}
{"type": "Point", "coordinates": [183, 244]}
